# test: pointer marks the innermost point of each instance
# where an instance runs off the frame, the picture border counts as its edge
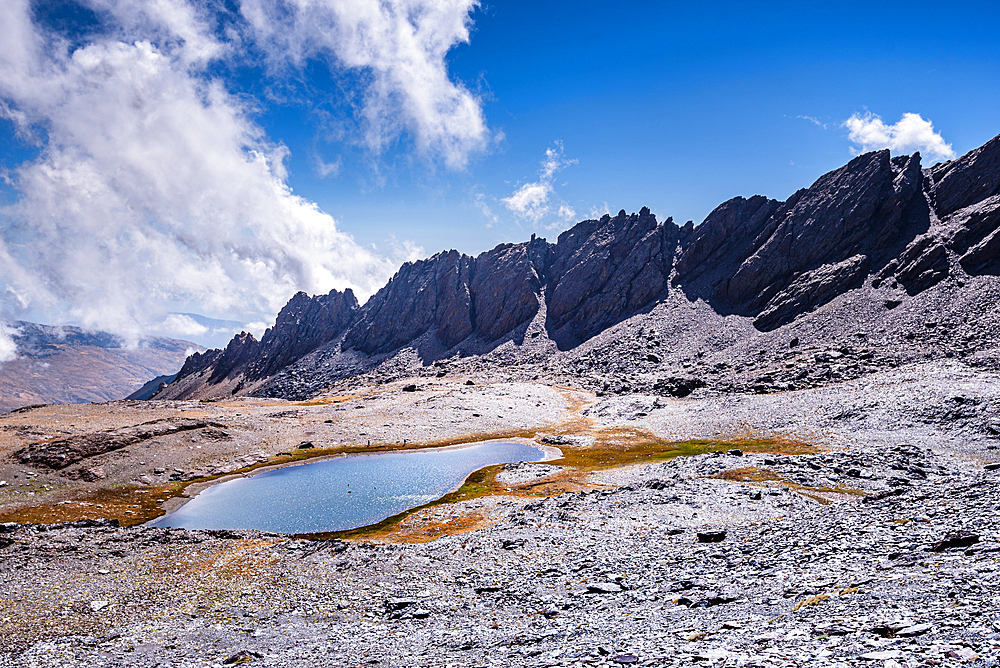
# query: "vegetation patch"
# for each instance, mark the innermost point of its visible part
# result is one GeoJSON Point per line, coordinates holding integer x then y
{"type": "Point", "coordinates": [622, 446]}
{"type": "Point", "coordinates": [764, 477]}
{"type": "Point", "coordinates": [129, 504]}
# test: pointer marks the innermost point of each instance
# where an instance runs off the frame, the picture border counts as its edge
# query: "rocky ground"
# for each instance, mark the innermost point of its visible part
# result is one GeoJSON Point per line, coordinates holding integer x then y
{"type": "Point", "coordinates": [877, 546]}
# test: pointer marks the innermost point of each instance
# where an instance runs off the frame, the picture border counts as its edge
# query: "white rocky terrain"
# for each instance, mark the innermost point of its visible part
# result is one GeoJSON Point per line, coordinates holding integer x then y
{"type": "Point", "coordinates": [878, 545]}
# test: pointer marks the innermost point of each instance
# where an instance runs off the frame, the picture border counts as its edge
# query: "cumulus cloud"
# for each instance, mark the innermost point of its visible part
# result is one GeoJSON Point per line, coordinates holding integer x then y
{"type": "Point", "coordinates": [910, 133]}
{"type": "Point", "coordinates": [400, 47]}
{"type": "Point", "coordinates": [534, 201]}
{"type": "Point", "coordinates": [153, 186]}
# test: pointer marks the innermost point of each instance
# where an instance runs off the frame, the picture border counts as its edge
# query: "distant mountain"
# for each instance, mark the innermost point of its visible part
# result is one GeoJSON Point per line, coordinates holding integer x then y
{"type": "Point", "coordinates": [831, 263]}
{"type": "Point", "coordinates": [151, 387]}
{"type": "Point", "coordinates": [68, 365]}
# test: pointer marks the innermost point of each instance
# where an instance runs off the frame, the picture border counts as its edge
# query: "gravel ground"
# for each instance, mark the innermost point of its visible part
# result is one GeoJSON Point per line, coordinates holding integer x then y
{"type": "Point", "coordinates": [880, 548]}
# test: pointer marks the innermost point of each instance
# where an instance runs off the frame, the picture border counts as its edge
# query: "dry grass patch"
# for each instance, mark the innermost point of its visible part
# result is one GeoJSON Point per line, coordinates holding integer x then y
{"type": "Point", "coordinates": [621, 446]}
{"type": "Point", "coordinates": [764, 477]}
{"type": "Point", "coordinates": [129, 504]}
{"type": "Point", "coordinates": [748, 474]}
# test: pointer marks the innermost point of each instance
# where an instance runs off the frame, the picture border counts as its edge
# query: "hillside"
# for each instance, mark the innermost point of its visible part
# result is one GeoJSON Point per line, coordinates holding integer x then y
{"type": "Point", "coordinates": [65, 365]}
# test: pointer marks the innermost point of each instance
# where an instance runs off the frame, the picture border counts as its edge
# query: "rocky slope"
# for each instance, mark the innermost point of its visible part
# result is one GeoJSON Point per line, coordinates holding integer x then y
{"type": "Point", "coordinates": [876, 234]}
{"type": "Point", "coordinates": [877, 547]}
{"type": "Point", "coordinates": [65, 365]}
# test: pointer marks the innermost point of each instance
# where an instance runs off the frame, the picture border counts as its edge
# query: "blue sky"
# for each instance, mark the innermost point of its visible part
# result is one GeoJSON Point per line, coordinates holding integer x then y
{"type": "Point", "coordinates": [677, 107]}
{"type": "Point", "coordinates": [216, 156]}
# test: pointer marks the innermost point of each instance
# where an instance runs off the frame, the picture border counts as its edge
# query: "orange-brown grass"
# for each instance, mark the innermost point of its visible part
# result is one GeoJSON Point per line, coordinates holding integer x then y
{"type": "Point", "coordinates": [129, 505]}
{"type": "Point", "coordinates": [620, 446]}
{"type": "Point", "coordinates": [752, 474]}
{"type": "Point", "coordinates": [418, 529]}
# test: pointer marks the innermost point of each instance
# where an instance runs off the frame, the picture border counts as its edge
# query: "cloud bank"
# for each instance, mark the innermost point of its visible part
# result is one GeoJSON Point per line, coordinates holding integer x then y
{"type": "Point", "coordinates": [909, 134]}
{"type": "Point", "coordinates": [534, 201]}
{"type": "Point", "coordinates": [153, 187]}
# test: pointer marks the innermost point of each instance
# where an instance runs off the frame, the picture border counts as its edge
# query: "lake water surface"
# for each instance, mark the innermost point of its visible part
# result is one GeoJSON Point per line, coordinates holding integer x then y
{"type": "Point", "coordinates": [340, 493]}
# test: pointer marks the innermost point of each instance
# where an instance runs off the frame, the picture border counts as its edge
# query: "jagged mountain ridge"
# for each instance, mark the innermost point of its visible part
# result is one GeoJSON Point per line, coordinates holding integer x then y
{"type": "Point", "coordinates": [879, 219]}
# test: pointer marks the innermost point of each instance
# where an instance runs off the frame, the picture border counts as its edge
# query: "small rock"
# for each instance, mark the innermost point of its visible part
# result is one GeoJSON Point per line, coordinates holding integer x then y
{"type": "Point", "coordinates": [99, 605]}
{"type": "Point", "coordinates": [395, 604]}
{"type": "Point", "coordinates": [915, 630]}
{"type": "Point", "coordinates": [883, 655]}
{"type": "Point", "coordinates": [603, 588]}
{"type": "Point", "coordinates": [711, 536]}
{"type": "Point", "coordinates": [626, 659]}
{"type": "Point", "coordinates": [956, 539]}
{"type": "Point", "coordinates": [240, 657]}
{"type": "Point", "coordinates": [410, 388]}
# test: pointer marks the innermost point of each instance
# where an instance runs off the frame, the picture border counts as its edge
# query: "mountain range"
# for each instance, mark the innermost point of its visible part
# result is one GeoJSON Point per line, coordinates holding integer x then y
{"type": "Point", "coordinates": [67, 365]}
{"type": "Point", "coordinates": [879, 261]}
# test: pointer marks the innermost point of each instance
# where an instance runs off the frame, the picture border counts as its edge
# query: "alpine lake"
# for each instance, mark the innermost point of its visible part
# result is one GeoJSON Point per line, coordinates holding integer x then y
{"type": "Point", "coordinates": [341, 493]}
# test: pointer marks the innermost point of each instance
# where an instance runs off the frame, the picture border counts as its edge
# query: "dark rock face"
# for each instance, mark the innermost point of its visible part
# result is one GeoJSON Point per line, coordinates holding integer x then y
{"type": "Point", "coordinates": [863, 208]}
{"type": "Point", "coordinates": [726, 237]}
{"type": "Point", "coordinates": [302, 326]}
{"type": "Point", "coordinates": [507, 287]}
{"type": "Point", "coordinates": [198, 362]}
{"type": "Point", "coordinates": [811, 289]}
{"type": "Point", "coordinates": [241, 352]}
{"type": "Point", "coordinates": [604, 271]}
{"type": "Point", "coordinates": [423, 294]}
{"type": "Point", "coordinates": [963, 182]}
{"type": "Point", "coordinates": [976, 236]}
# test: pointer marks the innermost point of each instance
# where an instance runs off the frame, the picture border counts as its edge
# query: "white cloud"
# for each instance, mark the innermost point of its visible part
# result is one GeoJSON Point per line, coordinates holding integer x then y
{"type": "Point", "coordinates": [911, 133]}
{"type": "Point", "coordinates": [812, 119]}
{"type": "Point", "coordinates": [8, 346]}
{"type": "Point", "coordinates": [325, 169]}
{"type": "Point", "coordinates": [400, 46]}
{"type": "Point", "coordinates": [486, 210]}
{"type": "Point", "coordinates": [153, 185]}
{"type": "Point", "coordinates": [599, 210]}
{"type": "Point", "coordinates": [532, 201]}
{"type": "Point", "coordinates": [178, 324]}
